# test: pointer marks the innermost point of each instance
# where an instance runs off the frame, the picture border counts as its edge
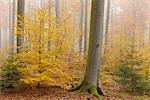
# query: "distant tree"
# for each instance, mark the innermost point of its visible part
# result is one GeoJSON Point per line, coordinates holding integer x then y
{"type": "Point", "coordinates": [10, 25]}
{"type": "Point", "coordinates": [20, 26]}
{"type": "Point", "coordinates": [81, 27]}
{"type": "Point", "coordinates": [12, 37]}
{"type": "Point", "coordinates": [107, 23]}
{"type": "Point", "coordinates": [49, 12]}
{"type": "Point", "coordinates": [0, 38]}
{"type": "Point", "coordinates": [149, 33]}
{"type": "Point", "coordinates": [57, 9]}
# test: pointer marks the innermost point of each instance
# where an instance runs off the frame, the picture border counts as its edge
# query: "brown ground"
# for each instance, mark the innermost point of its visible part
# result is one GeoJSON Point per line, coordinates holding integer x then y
{"type": "Point", "coordinates": [51, 93]}
{"type": "Point", "coordinates": [55, 93]}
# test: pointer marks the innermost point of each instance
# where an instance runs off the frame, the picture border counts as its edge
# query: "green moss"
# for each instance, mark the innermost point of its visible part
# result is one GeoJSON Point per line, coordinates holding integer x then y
{"type": "Point", "coordinates": [94, 91]}
{"type": "Point", "coordinates": [83, 87]}
{"type": "Point", "coordinates": [86, 87]}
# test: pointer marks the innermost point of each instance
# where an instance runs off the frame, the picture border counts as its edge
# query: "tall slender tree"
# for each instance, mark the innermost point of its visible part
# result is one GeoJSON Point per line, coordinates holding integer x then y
{"type": "Point", "coordinates": [149, 33]}
{"type": "Point", "coordinates": [0, 39]}
{"type": "Point", "coordinates": [107, 23]}
{"type": "Point", "coordinates": [49, 11]}
{"type": "Point", "coordinates": [106, 30]}
{"type": "Point", "coordinates": [81, 26]}
{"type": "Point", "coordinates": [86, 27]}
{"type": "Point", "coordinates": [91, 81]}
{"type": "Point", "coordinates": [57, 9]}
{"type": "Point", "coordinates": [58, 16]}
{"type": "Point", "coordinates": [10, 25]}
{"type": "Point", "coordinates": [12, 14]}
{"type": "Point", "coordinates": [20, 12]}
{"type": "Point", "coordinates": [12, 39]}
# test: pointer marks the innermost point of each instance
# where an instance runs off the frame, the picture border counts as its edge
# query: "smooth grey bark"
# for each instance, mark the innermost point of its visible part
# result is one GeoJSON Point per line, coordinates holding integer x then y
{"type": "Point", "coordinates": [111, 22]}
{"type": "Point", "coordinates": [86, 27]}
{"type": "Point", "coordinates": [57, 9]}
{"type": "Point", "coordinates": [81, 27]}
{"type": "Point", "coordinates": [106, 31]}
{"type": "Point", "coordinates": [95, 45]}
{"type": "Point", "coordinates": [91, 81]}
{"type": "Point", "coordinates": [20, 12]}
{"type": "Point", "coordinates": [11, 25]}
{"type": "Point", "coordinates": [107, 23]}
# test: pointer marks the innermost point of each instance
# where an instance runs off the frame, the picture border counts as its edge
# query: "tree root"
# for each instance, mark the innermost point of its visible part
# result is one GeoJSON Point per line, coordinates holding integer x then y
{"type": "Point", "coordinates": [86, 87]}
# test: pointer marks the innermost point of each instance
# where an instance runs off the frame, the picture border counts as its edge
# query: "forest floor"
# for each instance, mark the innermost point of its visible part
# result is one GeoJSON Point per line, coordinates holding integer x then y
{"type": "Point", "coordinates": [43, 93]}
{"type": "Point", "coordinates": [113, 92]}
{"type": "Point", "coordinates": [56, 93]}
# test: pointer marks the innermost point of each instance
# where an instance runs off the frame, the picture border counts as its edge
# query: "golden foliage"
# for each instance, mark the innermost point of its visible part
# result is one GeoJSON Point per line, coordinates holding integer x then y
{"type": "Point", "coordinates": [48, 54]}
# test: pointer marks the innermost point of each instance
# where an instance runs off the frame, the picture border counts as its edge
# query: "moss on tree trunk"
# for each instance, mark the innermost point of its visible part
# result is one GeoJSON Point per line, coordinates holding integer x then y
{"type": "Point", "coordinates": [91, 80]}
{"type": "Point", "coordinates": [86, 87]}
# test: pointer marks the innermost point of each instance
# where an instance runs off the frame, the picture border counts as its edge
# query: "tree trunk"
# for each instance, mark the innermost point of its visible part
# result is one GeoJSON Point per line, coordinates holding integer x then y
{"type": "Point", "coordinates": [42, 3]}
{"type": "Point", "coordinates": [107, 26]}
{"type": "Point", "coordinates": [86, 27]}
{"type": "Point", "coordinates": [20, 12]}
{"type": "Point", "coordinates": [91, 82]}
{"type": "Point", "coordinates": [12, 13]}
{"type": "Point", "coordinates": [149, 33]}
{"type": "Point", "coordinates": [10, 26]}
{"type": "Point", "coordinates": [0, 38]}
{"type": "Point", "coordinates": [81, 27]}
{"type": "Point", "coordinates": [49, 5]}
{"type": "Point", "coordinates": [58, 10]}
{"type": "Point", "coordinates": [58, 16]}
{"type": "Point", "coordinates": [13, 25]}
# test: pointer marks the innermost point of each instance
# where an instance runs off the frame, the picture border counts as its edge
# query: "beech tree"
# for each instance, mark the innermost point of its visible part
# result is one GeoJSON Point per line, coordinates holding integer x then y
{"type": "Point", "coordinates": [81, 27]}
{"type": "Point", "coordinates": [20, 12]}
{"type": "Point", "coordinates": [0, 37]}
{"type": "Point", "coordinates": [91, 81]}
{"type": "Point", "coordinates": [49, 7]}
{"type": "Point", "coordinates": [58, 10]}
{"type": "Point", "coordinates": [86, 27]}
{"type": "Point", "coordinates": [10, 25]}
{"type": "Point", "coordinates": [107, 24]}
